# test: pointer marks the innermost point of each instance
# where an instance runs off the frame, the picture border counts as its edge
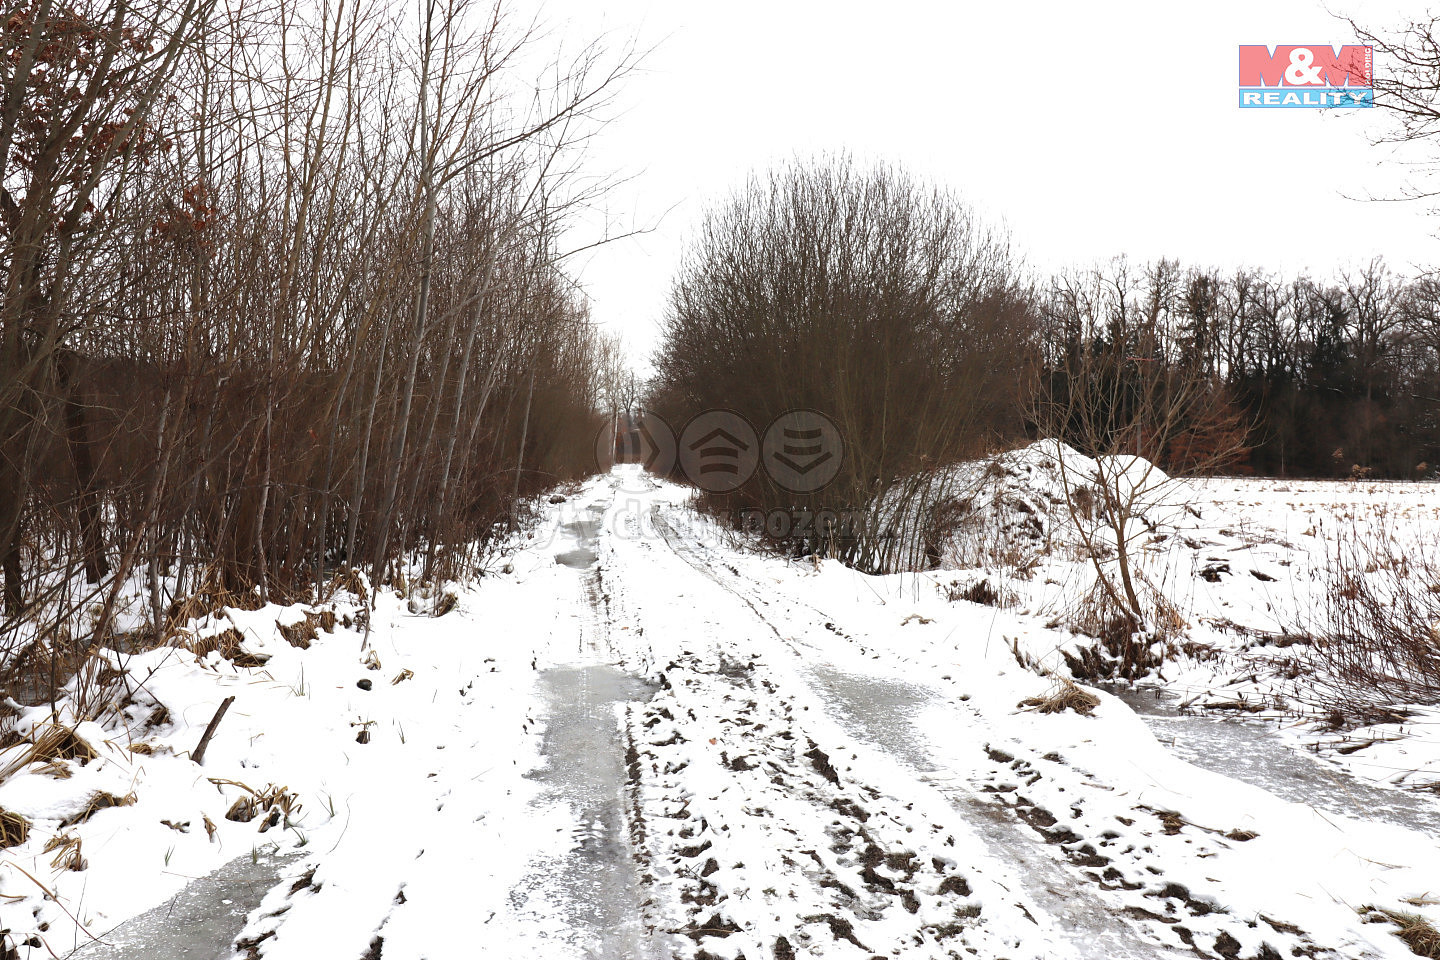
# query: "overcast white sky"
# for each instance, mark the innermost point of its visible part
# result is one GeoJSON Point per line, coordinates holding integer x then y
{"type": "Point", "coordinates": [1089, 129]}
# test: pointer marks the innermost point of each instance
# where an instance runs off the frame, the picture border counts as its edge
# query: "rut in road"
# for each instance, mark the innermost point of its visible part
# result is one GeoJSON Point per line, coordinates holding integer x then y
{"type": "Point", "coordinates": [724, 768]}
{"type": "Point", "coordinates": [1085, 889]}
{"type": "Point", "coordinates": [878, 713]}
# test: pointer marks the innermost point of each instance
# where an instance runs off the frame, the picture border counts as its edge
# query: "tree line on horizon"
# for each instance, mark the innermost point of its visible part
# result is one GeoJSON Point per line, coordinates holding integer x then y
{"type": "Point", "coordinates": [1326, 378]}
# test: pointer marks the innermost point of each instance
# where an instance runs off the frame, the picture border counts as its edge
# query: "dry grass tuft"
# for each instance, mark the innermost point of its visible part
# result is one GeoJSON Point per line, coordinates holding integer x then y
{"type": "Point", "coordinates": [1374, 644]}
{"type": "Point", "coordinates": [307, 631]}
{"type": "Point", "coordinates": [276, 802]}
{"type": "Point", "coordinates": [58, 769]}
{"type": "Point", "coordinates": [50, 742]}
{"type": "Point", "coordinates": [1065, 695]}
{"type": "Point", "coordinates": [982, 592]}
{"type": "Point", "coordinates": [349, 581]}
{"type": "Point", "coordinates": [69, 857]}
{"type": "Point", "coordinates": [1418, 933]}
{"type": "Point", "coordinates": [59, 742]}
{"type": "Point", "coordinates": [100, 800]}
{"type": "Point", "coordinates": [241, 811]}
{"type": "Point", "coordinates": [185, 611]}
{"type": "Point", "coordinates": [402, 676]}
{"type": "Point", "coordinates": [300, 634]}
{"type": "Point", "coordinates": [14, 829]}
{"type": "Point", "coordinates": [227, 643]}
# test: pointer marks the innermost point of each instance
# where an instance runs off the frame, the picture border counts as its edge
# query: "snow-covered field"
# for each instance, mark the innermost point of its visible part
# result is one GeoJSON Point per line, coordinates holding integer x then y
{"type": "Point", "coordinates": [636, 739]}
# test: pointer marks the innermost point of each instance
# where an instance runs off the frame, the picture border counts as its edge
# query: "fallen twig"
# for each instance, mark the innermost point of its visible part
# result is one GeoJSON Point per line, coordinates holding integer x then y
{"type": "Point", "coordinates": [199, 755]}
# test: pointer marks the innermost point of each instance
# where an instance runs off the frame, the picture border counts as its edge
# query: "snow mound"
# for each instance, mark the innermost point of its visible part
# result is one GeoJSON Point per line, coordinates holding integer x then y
{"type": "Point", "coordinates": [1043, 493]}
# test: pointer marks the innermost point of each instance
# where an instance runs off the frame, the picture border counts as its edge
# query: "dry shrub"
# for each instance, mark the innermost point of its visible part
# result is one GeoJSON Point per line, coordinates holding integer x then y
{"type": "Point", "coordinates": [1378, 644]}
{"type": "Point", "coordinates": [792, 290]}
{"type": "Point", "coordinates": [996, 525]}
{"type": "Point", "coordinates": [1065, 695]}
{"type": "Point", "coordinates": [42, 666]}
{"type": "Point", "coordinates": [98, 682]}
{"type": "Point", "coordinates": [1121, 652]}
{"type": "Point", "coordinates": [14, 829]}
{"type": "Point", "coordinates": [982, 592]}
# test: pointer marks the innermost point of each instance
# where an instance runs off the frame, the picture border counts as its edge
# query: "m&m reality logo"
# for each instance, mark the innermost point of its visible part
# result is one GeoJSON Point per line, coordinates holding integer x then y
{"type": "Point", "coordinates": [1313, 75]}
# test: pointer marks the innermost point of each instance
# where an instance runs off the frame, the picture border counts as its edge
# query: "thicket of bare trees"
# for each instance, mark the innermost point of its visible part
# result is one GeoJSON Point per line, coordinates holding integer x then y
{"type": "Point", "coordinates": [282, 297]}
{"type": "Point", "coordinates": [860, 293]}
{"type": "Point", "coordinates": [1326, 378]}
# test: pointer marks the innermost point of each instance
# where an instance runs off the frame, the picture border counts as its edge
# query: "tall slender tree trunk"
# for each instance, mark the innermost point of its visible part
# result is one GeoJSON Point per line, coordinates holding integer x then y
{"type": "Point", "coordinates": [422, 306]}
{"type": "Point", "coordinates": [524, 436]}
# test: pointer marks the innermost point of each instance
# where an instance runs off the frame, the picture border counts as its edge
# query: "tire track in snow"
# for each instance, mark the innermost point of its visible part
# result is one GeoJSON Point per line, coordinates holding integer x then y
{"type": "Point", "coordinates": [1130, 910]}
{"type": "Point", "coordinates": [594, 887]}
{"type": "Point", "coordinates": [778, 833]}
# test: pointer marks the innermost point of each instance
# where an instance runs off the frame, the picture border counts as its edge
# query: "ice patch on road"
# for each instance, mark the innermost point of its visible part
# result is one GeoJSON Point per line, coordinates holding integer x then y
{"type": "Point", "coordinates": [594, 886]}
{"type": "Point", "coordinates": [885, 712]}
{"type": "Point", "coordinates": [1256, 752]}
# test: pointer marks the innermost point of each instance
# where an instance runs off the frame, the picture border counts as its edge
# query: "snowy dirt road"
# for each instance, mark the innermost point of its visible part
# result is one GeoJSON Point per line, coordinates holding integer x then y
{"type": "Point", "coordinates": [724, 755]}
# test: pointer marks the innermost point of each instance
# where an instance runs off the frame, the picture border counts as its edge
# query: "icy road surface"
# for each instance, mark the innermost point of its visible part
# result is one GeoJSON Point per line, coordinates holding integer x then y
{"type": "Point", "coordinates": [637, 741]}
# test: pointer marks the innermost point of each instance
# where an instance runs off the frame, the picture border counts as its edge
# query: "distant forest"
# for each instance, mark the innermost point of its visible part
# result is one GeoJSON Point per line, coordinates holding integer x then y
{"type": "Point", "coordinates": [1330, 378]}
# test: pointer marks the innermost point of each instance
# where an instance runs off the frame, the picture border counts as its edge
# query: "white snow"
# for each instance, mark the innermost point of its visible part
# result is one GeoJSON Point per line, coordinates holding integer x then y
{"type": "Point", "coordinates": [779, 755]}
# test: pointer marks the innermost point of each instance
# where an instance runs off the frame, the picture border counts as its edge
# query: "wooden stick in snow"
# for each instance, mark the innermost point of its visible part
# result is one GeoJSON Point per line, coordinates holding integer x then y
{"type": "Point", "coordinates": [199, 755]}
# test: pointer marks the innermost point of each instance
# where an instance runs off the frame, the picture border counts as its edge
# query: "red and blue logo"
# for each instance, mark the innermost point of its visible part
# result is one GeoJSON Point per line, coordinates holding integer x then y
{"type": "Point", "coordinates": [1310, 75]}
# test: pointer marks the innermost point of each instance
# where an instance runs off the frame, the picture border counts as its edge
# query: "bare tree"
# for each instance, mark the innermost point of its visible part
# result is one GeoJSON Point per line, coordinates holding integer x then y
{"type": "Point", "coordinates": [864, 294]}
{"type": "Point", "coordinates": [1121, 402]}
{"type": "Point", "coordinates": [279, 280]}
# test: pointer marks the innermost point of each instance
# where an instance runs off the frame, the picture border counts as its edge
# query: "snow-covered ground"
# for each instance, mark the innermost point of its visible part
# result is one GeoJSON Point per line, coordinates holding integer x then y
{"type": "Point", "coordinates": [636, 739]}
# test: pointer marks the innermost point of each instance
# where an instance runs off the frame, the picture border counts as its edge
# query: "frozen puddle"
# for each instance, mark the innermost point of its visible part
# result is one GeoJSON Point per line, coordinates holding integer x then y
{"type": "Point", "coordinates": [200, 922]}
{"type": "Point", "coordinates": [883, 713]}
{"type": "Point", "coordinates": [1252, 751]}
{"type": "Point", "coordinates": [593, 889]}
{"type": "Point", "coordinates": [584, 531]}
